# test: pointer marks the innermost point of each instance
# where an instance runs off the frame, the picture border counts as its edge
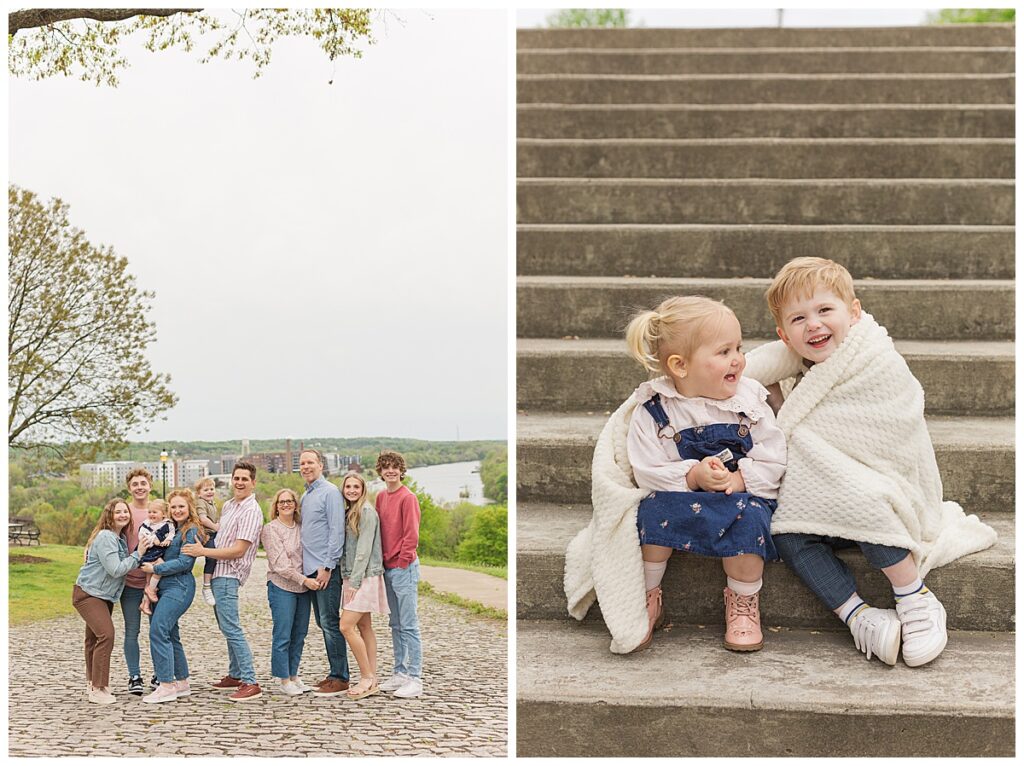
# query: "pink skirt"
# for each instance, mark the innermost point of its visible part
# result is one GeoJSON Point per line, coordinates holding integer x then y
{"type": "Point", "coordinates": [371, 596]}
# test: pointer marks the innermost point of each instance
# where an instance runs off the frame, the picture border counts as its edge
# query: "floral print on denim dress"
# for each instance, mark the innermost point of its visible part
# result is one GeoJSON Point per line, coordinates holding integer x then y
{"type": "Point", "coordinates": [708, 523]}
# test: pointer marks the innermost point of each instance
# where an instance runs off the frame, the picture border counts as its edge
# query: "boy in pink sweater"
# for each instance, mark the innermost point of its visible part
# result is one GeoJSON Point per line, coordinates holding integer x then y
{"type": "Point", "coordinates": [399, 513]}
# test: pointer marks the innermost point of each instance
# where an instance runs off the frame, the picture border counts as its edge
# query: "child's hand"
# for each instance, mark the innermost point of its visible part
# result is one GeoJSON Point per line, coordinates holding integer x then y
{"type": "Point", "coordinates": [165, 543]}
{"type": "Point", "coordinates": [710, 475]}
{"type": "Point", "coordinates": [736, 483]}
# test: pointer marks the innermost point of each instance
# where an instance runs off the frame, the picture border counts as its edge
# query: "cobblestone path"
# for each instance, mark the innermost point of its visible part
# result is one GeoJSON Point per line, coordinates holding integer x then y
{"type": "Point", "coordinates": [463, 710]}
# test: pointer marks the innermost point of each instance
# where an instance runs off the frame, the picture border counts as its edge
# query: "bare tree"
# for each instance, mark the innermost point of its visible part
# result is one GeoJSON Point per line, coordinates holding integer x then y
{"type": "Point", "coordinates": [77, 334]}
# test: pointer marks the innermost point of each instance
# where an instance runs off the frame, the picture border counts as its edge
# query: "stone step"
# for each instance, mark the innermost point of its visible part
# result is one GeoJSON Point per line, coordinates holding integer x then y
{"type": "Point", "coordinates": [760, 201]}
{"type": "Point", "coordinates": [698, 250]}
{"type": "Point", "coordinates": [805, 694]}
{"type": "Point", "coordinates": [959, 377]}
{"type": "Point", "coordinates": [765, 89]}
{"type": "Point", "coordinates": [975, 456]}
{"type": "Point", "coordinates": [977, 590]}
{"type": "Point", "coordinates": [600, 307]}
{"type": "Point", "coordinates": [955, 60]}
{"type": "Point", "coordinates": [765, 121]}
{"type": "Point", "coordinates": [766, 158]}
{"type": "Point", "coordinates": [761, 37]}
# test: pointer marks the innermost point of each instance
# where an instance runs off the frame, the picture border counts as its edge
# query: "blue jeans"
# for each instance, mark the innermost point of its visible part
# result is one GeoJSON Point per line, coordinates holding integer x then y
{"type": "Point", "coordinates": [131, 600]}
{"type": "Point", "coordinates": [814, 560]}
{"type": "Point", "coordinates": [401, 586]}
{"type": "Point", "coordinates": [225, 590]}
{"type": "Point", "coordinates": [326, 610]}
{"type": "Point", "coordinates": [176, 594]}
{"type": "Point", "coordinates": [290, 612]}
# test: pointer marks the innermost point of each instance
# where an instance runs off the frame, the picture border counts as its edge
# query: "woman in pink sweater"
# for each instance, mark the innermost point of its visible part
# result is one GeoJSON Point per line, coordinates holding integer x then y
{"type": "Point", "coordinates": [287, 591]}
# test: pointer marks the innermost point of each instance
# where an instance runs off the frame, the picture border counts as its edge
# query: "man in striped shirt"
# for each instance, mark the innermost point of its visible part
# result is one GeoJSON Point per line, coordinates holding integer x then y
{"type": "Point", "coordinates": [238, 538]}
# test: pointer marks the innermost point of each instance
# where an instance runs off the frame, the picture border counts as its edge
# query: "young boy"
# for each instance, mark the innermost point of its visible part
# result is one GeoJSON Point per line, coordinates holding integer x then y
{"type": "Point", "coordinates": [862, 468]}
{"type": "Point", "coordinates": [399, 513]}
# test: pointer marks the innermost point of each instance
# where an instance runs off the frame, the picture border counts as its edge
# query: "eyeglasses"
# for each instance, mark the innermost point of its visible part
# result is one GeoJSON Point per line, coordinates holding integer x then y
{"type": "Point", "coordinates": [286, 502]}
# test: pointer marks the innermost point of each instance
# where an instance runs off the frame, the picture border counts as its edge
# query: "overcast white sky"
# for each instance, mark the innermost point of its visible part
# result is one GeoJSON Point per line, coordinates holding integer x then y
{"type": "Point", "coordinates": [753, 17]}
{"type": "Point", "coordinates": [328, 260]}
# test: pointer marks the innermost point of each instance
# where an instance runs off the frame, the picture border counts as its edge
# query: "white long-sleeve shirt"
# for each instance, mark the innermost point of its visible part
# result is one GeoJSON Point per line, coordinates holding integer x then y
{"type": "Point", "coordinates": [656, 462]}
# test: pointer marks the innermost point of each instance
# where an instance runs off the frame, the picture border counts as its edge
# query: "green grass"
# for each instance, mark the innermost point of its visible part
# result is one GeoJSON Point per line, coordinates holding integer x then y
{"type": "Point", "coordinates": [427, 590]}
{"type": "Point", "coordinates": [42, 591]}
{"type": "Point", "coordinates": [501, 572]}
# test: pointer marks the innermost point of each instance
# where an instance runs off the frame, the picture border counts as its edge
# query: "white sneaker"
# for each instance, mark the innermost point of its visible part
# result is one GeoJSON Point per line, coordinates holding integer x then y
{"type": "Point", "coordinates": [184, 689]}
{"type": "Point", "coordinates": [924, 627]}
{"type": "Point", "coordinates": [290, 689]}
{"type": "Point", "coordinates": [412, 688]}
{"type": "Point", "coordinates": [877, 632]}
{"type": "Point", "coordinates": [208, 596]}
{"type": "Point", "coordinates": [163, 693]}
{"type": "Point", "coordinates": [299, 684]}
{"type": "Point", "coordinates": [396, 682]}
{"type": "Point", "coordinates": [101, 696]}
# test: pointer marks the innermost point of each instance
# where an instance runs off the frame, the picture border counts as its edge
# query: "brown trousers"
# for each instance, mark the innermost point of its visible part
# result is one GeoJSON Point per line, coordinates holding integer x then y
{"type": "Point", "coordinates": [99, 635]}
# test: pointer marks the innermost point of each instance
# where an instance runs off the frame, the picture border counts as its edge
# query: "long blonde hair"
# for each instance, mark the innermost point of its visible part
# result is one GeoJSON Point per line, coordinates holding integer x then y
{"type": "Point", "coordinates": [106, 521]}
{"type": "Point", "coordinates": [676, 326]}
{"type": "Point", "coordinates": [193, 515]}
{"type": "Point", "coordinates": [354, 510]}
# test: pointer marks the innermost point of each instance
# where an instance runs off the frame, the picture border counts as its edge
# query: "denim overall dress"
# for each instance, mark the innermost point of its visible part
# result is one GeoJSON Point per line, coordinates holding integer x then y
{"type": "Point", "coordinates": [708, 523]}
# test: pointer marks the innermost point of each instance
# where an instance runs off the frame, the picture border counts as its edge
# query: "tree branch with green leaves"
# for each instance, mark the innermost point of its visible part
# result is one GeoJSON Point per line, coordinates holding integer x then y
{"type": "Point", "coordinates": [87, 42]}
{"type": "Point", "coordinates": [77, 335]}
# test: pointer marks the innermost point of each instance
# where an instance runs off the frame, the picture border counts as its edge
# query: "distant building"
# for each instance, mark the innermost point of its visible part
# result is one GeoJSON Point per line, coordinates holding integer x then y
{"type": "Point", "coordinates": [191, 471]}
{"type": "Point", "coordinates": [271, 462]}
{"type": "Point", "coordinates": [114, 472]}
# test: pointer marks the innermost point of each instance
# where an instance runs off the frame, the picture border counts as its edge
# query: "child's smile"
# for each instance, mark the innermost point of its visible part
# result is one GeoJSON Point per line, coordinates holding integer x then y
{"type": "Point", "coordinates": [816, 325]}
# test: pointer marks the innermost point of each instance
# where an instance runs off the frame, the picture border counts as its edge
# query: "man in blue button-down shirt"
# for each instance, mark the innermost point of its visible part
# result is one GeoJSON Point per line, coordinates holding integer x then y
{"type": "Point", "coordinates": [323, 540]}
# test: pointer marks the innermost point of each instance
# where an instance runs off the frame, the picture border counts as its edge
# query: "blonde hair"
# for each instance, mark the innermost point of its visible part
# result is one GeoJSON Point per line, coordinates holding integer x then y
{"type": "Point", "coordinates": [354, 510]}
{"type": "Point", "coordinates": [277, 496]}
{"type": "Point", "coordinates": [193, 515]}
{"type": "Point", "coordinates": [163, 506]}
{"type": "Point", "coordinates": [676, 326]}
{"type": "Point", "coordinates": [206, 480]}
{"type": "Point", "coordinates": [801, 277]}
{"type": "Point", "coordinates": [106, 521]}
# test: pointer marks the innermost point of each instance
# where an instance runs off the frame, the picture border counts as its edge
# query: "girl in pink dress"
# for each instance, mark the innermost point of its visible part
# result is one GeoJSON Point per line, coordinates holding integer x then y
{"type": "Point", "coordinates": [363, 592]}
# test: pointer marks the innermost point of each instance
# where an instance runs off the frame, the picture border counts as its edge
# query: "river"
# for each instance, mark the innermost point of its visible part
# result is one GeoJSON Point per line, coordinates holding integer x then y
{"type": "Point", "coordinates": [444, 482]}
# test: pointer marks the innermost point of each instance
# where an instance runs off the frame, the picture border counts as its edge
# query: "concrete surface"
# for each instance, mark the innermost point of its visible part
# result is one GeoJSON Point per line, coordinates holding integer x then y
{"type": "Point", "coordinates": [485, 589]}
{"type": "Point", "coordinates": [594, 307]}
{"type": "Point", "coordinates": [805, 694]}
{"type": "Point", "coordinates": [728, 250]}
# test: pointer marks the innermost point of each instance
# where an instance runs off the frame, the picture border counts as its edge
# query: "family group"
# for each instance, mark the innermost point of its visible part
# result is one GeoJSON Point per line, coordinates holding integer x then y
{"type": "Point", "coordinates": [806, 445]}
{"type": "Point", "coordinates": [330, 552]}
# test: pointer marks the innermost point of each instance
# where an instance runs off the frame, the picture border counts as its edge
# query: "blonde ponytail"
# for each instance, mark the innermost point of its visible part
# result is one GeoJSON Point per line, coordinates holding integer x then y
{"type": "Point", "coordinates": [676, 326]}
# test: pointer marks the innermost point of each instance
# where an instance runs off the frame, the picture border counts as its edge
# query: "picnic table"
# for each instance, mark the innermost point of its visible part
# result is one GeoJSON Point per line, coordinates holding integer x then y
{"type": "Point", "coordinates": [22, 532]}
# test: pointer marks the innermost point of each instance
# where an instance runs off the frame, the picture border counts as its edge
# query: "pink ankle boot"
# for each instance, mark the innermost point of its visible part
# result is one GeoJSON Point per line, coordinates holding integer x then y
{"type": "Point", "coordinates": [655, 616]}
{"type": "Point", "coordinates": [742, 622]}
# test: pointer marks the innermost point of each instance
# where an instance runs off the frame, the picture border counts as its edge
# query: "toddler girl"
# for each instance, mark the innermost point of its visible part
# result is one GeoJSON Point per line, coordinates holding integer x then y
{"type": "Point", "coordinates": [205, 491]}
{"type": "Point", "coordinates": [705, 442]}
{"type": "Point", "coordinates": [158, 529]}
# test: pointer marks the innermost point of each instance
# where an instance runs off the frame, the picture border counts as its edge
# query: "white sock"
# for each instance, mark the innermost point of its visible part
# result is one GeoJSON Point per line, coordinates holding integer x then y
{"type": "Point", "coordinates": [850, 608]}
{"type": "Point", "coordinates": [653, 572]}
{"type": "Point", "coordinates": [909, 589]}
{"type": "Point", "coordinates": [744, 588]}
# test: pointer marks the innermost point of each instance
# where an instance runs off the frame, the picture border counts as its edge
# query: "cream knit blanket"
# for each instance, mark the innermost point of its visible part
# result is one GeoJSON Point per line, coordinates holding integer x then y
{"type": "Point", "coordinates": [860, 461]}
{"type": "Point", "coordinates": [861, 466]}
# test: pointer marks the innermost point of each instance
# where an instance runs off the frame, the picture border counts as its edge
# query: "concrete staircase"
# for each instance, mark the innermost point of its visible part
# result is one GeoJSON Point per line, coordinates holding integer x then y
{"type": "Point", "coordinates": [654, 162]}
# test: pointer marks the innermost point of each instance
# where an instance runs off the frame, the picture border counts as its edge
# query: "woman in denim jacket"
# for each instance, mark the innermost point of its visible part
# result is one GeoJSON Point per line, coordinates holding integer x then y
{"type": "Point", "coordinates": [177, 588]}
{"type": "Point", "coordinates": [363, 591]}
{"type": "Point", "coordinates": [99, 584]}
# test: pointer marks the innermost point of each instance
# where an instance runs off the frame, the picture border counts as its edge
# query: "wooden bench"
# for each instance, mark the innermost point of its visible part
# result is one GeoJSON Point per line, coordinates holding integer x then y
{"type": "Point", "coordinates": [21, 531]}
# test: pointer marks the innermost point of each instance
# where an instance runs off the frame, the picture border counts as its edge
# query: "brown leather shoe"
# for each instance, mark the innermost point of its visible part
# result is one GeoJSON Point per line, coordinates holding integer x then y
{"type": "Point", "coordinates": [227, 682]}
{"type": "Point", "coordinates": [246, 692]}
{"type": "Point", "coordinates": [332, 687]}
